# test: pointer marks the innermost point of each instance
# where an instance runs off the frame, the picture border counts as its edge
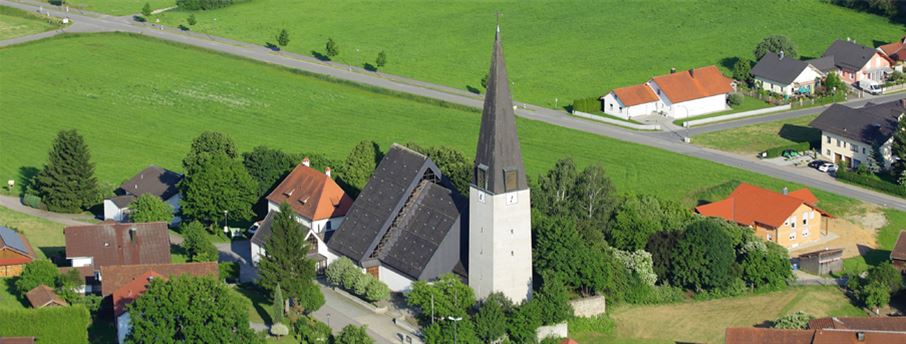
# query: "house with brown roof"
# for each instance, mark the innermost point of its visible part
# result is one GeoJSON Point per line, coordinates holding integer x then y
{"type": "Point", "coordinates": [896, 52]}
{"type": "Point", "coordinates": [887, 324]}
{"type": "Point", "coordinates": [751, 335]}
{"type": "Point", "coordinates": [789, 219]}
{"type": "Point", "coordinates": [317, 201]}
{"type": "Point", "coordinates": [898, 254]}
{"type": "Point", "coordinates": [43, 296]}
{"type": "Point", "coordinates": [684, 94]}
{"type": "Point", "coordinates": [15, 252]}
{"type": "Point", "coordinates": [126, 283]}
{"type": "Point", "coordinates": [152, 180]}
{"type": "Point", "coordinates": [93, 247]}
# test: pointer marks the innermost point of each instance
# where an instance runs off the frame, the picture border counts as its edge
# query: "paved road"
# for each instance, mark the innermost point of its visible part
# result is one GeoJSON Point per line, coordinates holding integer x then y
{"type": "Point", "coordinates": [14, 204]}
{"type": "Point", "coordinates": [670, 142]}
{"type": "Point", "coordinates": [338, 311]}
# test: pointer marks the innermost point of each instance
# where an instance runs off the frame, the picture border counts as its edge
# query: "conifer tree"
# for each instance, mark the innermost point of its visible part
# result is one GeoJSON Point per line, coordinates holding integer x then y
{"type": "Point", "coordinates": [67, 183]}
{"type": "Point", "coordinates": [899, 147]}
{"type": "Point", "coordinates": [286, 263]}
{"type": "Point", "coordinates": [278, 305]}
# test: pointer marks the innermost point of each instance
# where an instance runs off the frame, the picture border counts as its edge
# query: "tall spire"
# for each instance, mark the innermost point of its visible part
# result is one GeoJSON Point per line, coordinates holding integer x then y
{"type": "Point", "coordinates": [498, 159]}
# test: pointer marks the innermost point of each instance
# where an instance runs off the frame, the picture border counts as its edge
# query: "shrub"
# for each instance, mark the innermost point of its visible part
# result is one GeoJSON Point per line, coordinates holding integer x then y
{"type": "Point", "coordinates": [734, 99]}
{"type": "Point", "coordinates": [589, 105]}
{"type": "Point", "coordinates": [61, 325]}
{"type": "Point", "coordinates": [37, 273]}
{"type": "Point", "coordinates": [376, 290]}
{"type": "Point", "coordinates": [794, 321]}
{"type": "Point", "coordinates": [346, 275]}
{"type": "Point", "coordinates": [202, 4]}
{"type": "Point", "coordinates": [33, 201]}
{"type": "Point", "coordinates": [872, 182]}
{"type": "Point", "coordinates": [279, 330]}
{"type": "Point", "coordinates": [229, 271]}
{"type": "Point", "coordinates": [337, 270]}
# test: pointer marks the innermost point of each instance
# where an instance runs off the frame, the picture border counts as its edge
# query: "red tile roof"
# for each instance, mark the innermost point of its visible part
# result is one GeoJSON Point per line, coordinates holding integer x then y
{"type": "Point", "coordinates": [896, 324]}
{"type": "Point", "coordinates": [311, 194]}
{"type": "Point", "coordinates": [20, 249]}
{"type": "Point", "coordinates": [132, 290]}
{"type": "Point", "coordinates": [811, 336]}
{"type": "Point", "coordinates": [693, 84]}
{"type": "Point", "coordinates": [749, 204]}
{"type": "Point", "coordinates": [899, 249]}
{"type": "Point", "coordinates": [42, 296]}
{"type": "Point", "coordinates": [895, 51]}
{"type": "Point", "coordinates": [635, 95]}
{"type": "Point", "coordinates": [114, 277]}
{"type": "Point", "coordinates": [17, 340]}
{"type": "Point", "coordinates": [569, 341]}
{"type": "Point", "coordinates": [111, 243]}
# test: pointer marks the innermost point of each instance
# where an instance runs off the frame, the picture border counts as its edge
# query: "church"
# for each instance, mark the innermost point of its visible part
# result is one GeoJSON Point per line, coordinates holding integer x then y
{"type": "Point", "coordinates": [410, 223]}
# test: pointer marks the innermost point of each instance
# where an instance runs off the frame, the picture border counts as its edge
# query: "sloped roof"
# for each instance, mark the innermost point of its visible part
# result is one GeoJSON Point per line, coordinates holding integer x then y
{"type": "Point", "coordinates": [748, 205]}
{"type": "Point", "coordinates": [43, 296]}
{"type": "Point", "coordinates": [784, 70]}
{"type": "Point", "coordinates": [693, 84]}
{"type": "Point", "coordinates": [116, 276]}
{"type": "Point", "coordinates": [122, 201]}
{"type": "Point", "coordinates": [153, 180]}
{"type": "Point", "coordinates": [111, 243]}
{"type": "Point", "coordinates": [264, 229]}
{"type": "Point", "coordinates": [849, 55]}
{"type": "Point", "coordinates": [899, 249]}
{"type": "Point", "coordinates": [635, 94]}
{"type": "Point", "coordinates": [824, 64]}
{"type": "Point", "coordinates": [751, 335]}
{"type": "Point", "coordinates": [14, 242]}
{"type": "Point", "coordinates": [822, 253]}
{"type": "Point", "coordinates": [130, 291]}
{"type": "Point", "coordinates": [895, 324]}
{"type": "Point", "coordinates": [872, 124]}
{"type": "Point", "coordinates": [17, 340]}
{"type": "Point", "coordinates": [311, 194]}
{"type": "Point", "coordinates": [895, 51]}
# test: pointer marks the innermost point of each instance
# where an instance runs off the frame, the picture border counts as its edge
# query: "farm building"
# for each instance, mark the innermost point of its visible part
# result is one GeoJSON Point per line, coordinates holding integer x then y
{"type": "Point", "coordinates": [153, 180]}
{"type": "Point", "coordinates": [787, 76]}
{"type": "Point", "coordinates": [684, 94]}
{"type": "Point", "coordinates": [15, 252]}
{"type": "Point", "coordinates": [823, 262]}
{"type": "Point", "coordinates": [43, 296]}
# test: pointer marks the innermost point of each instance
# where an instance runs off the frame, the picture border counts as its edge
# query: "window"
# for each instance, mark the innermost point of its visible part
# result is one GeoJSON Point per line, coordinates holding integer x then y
{"type": "Point", "coordinates": [863, 150]}
{"type": "Point", "coordinates": [481, 177]}
{"type": "Point", "coordinates": [811, 215]}
{"type": "Point", "coordinates": [793, 222]}
{"type": "Point", "coordinates": [828, 139]}
{"type": "Point", "coordinates": [844, 144]}
{"type": "Point", "coordinates": [510, 179]}
{"type": "Point", "coordinates": [770, 237]}
{"type": "Point", "coordinates": [611, 107]}
{"type": "Point", "coordinates": [804, 220]}
{"type": "Point", "coordinates": [513, 253]}
{"type": "Point", "coordinates": [793, 234]}
{"type": "Point", "coordinates": [828, 152]}
{"type": "Point", "coordinates": [838, 142]}
{"type": "Point", "coordinates": [805, 232]}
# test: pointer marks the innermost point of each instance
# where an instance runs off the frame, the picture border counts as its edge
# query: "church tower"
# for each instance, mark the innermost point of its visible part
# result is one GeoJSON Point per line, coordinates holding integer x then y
{"type": "Point", "coordinates": [500, 229]}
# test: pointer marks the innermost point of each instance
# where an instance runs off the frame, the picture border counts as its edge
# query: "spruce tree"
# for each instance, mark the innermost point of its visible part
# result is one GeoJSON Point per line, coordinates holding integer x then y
{"type": "Point", "coordinates": [67, 183]}
{"type": "Point", "coordinates": [898, 148]}
{"type": "Point", "coordinates": [286, 264]}
{"type": "Point", "coordinates": [359, 165]}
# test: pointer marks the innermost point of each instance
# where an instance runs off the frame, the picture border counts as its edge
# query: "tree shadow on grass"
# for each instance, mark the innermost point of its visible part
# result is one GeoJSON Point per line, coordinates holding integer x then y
{"type": "Point", "coordinates": [55, 254]}
{"type": "Point", "coordinates": [101, 331]}
{"type": "Point", "coordinates": [27, 180]}
{"type": "Point", "coordinates": [370, 67]}
{"type": "Point", "coordinates": [320, 56]}
{"type": "Point", "coordinates": [258, 297]}
{"type": "Point", "coordinates": [473, 89]}
{"type": "Point", "coordinates": [271, 46]}
{"type": "Point", "coordinates": [873, 257]}
{"type": "Point", "coordinates": [798, 133]}
{"type": "Point", "coordinates": [10, 285]}
{"type": "Point", "coordinates": [729, 62]}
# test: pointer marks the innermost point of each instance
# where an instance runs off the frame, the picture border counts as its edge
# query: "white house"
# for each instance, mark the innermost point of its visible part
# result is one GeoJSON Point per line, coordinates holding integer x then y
{"type": "Point", "coordinates": [630, 101]}
{"type": "Point", "coordinates": [683, 94]}
{"type": "Point", "coordinates": [784, 75]}
{"type": "Point", "coordinates": [849, 136]}
{"type": "Point", "coordinates": [153, 180]}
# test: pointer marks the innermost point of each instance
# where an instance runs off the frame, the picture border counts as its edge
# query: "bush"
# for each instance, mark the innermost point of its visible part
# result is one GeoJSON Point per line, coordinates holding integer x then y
{"type": "Point", "coordinates": [872, 182]}
{"type": "Point", "coordinates": [795, 321]}
{"type": "Point", "coordinates": [734, 99]}
{"type": "Point", "coordinates": [279, 330]}
{"type": "Point", "coordinates": [589, 105]}
{"type": "Point", "coordinates": [33, 201]}
{"type": "Point", "coordinates": [345, 274]}
{"type": "Point", "coordinates": [777, 151]}
{"type": "Point", "coordinates": [202, 4]}
{"type": "Point", "coordinates": [61, 325]}
{"type": "Point", "coordinates": [229, 271]}
{"type": "Point", "coordinates": [376, 290]}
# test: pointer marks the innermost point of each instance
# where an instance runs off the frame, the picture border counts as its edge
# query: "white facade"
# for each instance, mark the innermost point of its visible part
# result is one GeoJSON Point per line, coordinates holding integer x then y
{"type": "Point", "coordinates": [807, 78]}
{"type": "Point", "coordinates": [500, 244]}
{"type": "Point", "coordinates": [81, 261]}
{"type": "Point", "coordinates": [614, 106]}
{"type": "Point", "coordinates": [689, 108]}
{"type": "Point", "coordinates": [314, 228]}
{"type": "Point", "coordinates": [115, 213]}
{"type": "Point", "coordinates": [123, 326]}
{"type": "Point", "coordinates": [395, 281]}
{"type": "Point", "coordinates": [851, 153]}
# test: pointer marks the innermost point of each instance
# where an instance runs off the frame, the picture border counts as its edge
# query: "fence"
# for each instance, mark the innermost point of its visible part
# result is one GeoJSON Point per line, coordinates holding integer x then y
{"type": "Point", "coordinates": [736, 115]}
{"type": "Point", "coordinates": [892, 89]}
{"type": "Point", "coordinates": [617, 122]}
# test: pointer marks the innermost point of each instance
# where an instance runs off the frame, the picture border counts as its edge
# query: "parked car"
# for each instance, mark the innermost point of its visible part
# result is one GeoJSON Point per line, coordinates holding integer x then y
{"type": "Point", "coordinates": [828, 167]}
{"type": "Point", "coordinates": [816, 163]}
{"type": "Point", "coordinates": [870, 86]}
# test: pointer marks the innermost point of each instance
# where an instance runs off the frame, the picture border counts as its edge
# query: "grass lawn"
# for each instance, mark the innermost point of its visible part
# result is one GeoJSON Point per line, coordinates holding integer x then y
{"type": "Point", "coordinates": [886, 237]}
{"type": "Point", "coordinates": [705, 321]}
{"type": "Point", "coordinates": [747, 104]}
{"type": "Point", "coordinates": [139, 101]}
{"type": "Point", "coordinates": [259, 302]}
{"type": "Point", "coordinates": [15, 22]}
{"type": "Point", "coordinates": [555, 49]}
{"type": "Point", "coordinates": [46, 237]}
{"type": "Point", "coordinates": [120, 7]}
{"type": "Point", "coordinates": [757, 138]}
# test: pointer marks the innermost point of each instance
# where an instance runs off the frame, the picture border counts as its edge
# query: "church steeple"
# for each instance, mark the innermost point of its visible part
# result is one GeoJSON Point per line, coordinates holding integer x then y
{"type": "Point", "coordinates": [498, 159]}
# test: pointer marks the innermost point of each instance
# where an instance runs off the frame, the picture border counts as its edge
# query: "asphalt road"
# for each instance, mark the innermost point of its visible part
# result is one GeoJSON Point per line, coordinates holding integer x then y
{"type": "Point", "coordinates": [670, 141]}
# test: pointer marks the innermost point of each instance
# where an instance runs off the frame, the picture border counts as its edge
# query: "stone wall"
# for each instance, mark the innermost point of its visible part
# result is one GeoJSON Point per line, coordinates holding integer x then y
{"type": "Point", "coordinates": [589, 306]}
{"type": "Point", "coordinates": [560, 330]}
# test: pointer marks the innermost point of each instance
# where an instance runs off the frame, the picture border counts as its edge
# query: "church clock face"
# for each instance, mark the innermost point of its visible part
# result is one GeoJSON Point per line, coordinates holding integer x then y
{"type": "Point", "coordinates": [512, 198]}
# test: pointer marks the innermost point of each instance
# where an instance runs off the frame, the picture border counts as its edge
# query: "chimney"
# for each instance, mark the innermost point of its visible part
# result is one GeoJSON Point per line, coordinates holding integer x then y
{"type": "Point", "coordinates": [132, 234]}
{"type": "Point", "coordinates": [306, 162]}
{"type": "Point", "coordinates": [327, 171]}
{"type": "Point", "coordinates": [781, 54]}
{"type": "Point", "coordinates": [860, 336]}
{"type": "Point", "coordinates": [786, 191]}
{"type": "Point", "coordinates": [692, 72]}
{"type": "Point", "coordinates": [672, 70]}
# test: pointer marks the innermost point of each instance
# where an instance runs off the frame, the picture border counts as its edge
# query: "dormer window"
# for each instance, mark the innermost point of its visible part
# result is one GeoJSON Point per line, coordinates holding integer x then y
{"type": "Point", "coordinates": [510, 179]}
{"type": "Point", "coordinates": [481, 177]}
{"type": "Point", "coordinates": [289, 193]}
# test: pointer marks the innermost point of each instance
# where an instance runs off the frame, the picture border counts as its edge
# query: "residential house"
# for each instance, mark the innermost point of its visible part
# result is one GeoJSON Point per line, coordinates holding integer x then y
{"type": "Point", "coordinates": [787, 76]}
{"type": "Point", "coordinates": [93, 247]}
{"type": "Point", "coordinates": [15, 252]}
{"type": "Point", "coordinates": [849, 136]}
{"type": "Point", "coordinates": [898, 254]}
{"type": "Point", "coordinates": [789, 219]}
{"type": "Point", "coordinates": [695, 92]}
{"type": "Point", "coordinates": [822, 262]}
{"type": "Point", "coordinates": [895, 52]}
{"type": "Point", "coordinates": [153, 180]}
{"type": "Point", "coordinates": [854, 62]}
{"type": "Point", "coordinates": [886, 324]}
{"type": "Point", "coordinates": [43, 296]}
{"type": "Point", "coordinates": [317, 201]}
{"type": "Point", "coordinates": [406, 224]}
{"type": "Point", "coordinates": [752, 335]}
{"type": "Point", "coordinates": [126, 283]}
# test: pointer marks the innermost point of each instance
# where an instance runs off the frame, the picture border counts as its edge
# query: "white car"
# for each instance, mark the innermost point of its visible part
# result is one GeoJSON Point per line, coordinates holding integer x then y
{"type": "Point", "coordinates": [828, 167]}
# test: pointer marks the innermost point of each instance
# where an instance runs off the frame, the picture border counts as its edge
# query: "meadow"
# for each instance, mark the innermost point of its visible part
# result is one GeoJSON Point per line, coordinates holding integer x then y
{"type": "Point", "coordinates": [139, 101]}
{"type": "Point", "coordinates": [15, 23]}
{"type": "Point", "coordinates": [751, 139]}
{"type": "Point", "coordinates": [556, 51]}
{"type": "Point", "coordinates": [45, 237]}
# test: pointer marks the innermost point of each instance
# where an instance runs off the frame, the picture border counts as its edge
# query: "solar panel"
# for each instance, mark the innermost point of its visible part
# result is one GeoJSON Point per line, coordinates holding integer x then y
{"type": "Point", "coordinates": [12, 239]}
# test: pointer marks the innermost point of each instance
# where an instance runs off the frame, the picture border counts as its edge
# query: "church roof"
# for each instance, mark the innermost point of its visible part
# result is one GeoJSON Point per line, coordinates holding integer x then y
{"type": "Point", "coordinates": [498, 142]}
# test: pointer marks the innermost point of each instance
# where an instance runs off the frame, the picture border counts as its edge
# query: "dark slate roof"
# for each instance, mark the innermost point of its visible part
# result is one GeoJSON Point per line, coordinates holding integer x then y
{"type": "Point", "coordinates": [155, 180]}
{"type": "Point", "coordinates": [264, 229]}
{"type": "Point", "coordinates": [498, 141]}
{"type": "Point", "coordinates": [873, 124]}
{"type": "Point", "coordinates": [849, 55]}
{"type": "Point", "coordinates": [784, 70]}
{"type": "Point", "coordinates": [422, 227]}
{"type": "Point", "coordinates": [123, 201]}
{"type": "Point", "coordinates": [9, 238]}
{"type": "Point", "coordinates": [824, 64]}
{"type": "Point", "coordinates": [379, 202]}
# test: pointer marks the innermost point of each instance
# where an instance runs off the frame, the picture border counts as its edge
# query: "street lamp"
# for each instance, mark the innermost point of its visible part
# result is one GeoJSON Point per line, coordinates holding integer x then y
{"type": "Point", "coordinates": [455, 332]}
{"type": "Point", "coordinates": [328, 319]}
{"type": "Point", "coordinates": [226, 225]}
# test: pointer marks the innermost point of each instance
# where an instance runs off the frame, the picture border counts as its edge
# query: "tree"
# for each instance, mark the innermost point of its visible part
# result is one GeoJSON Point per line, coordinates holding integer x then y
{"type": "Point", "coordinates": [776, 44]}
{"type": "Point", "coordinates": [559, 250]}
{"type": "Point", "coordinates": [886, 275]}
{"type": "Point", "coordinates": [191, 19]}
{"type": "Point", "coordinates": [898, 147]}
{"type": "Point", "coordinates": [381, 59]}
{"type": "Point", "coordinates": [553, 300]}
{"type": "Point", "coordinates": [794, 321]}
{"type": "Point", "coordinates": [150, 208]}
{"type": "Point", "coordinates": [448, 296]}
{"type": "Point", "coordinates": [218, 187]}
{"type": "Point", "coordinates": [595, 199]}
{"type": "Point", "coordinates": [448, 331]}
{"type": "Point", "coordinates": [556, 188]}
{"type": "Point", "coordinates": [661, 245]}
{"type": "Point", "coordinates": [875, 295]}
{"type": "Point", "coordinates": [376, 290]}
{"type": "Point", "coordinates": [833, 84]}
{"type": "Point", "coordinates": [332, 48]}
{"type": "Point", "coordinates": [197, 246]}
{"type": "Point", "coordinates": [279, 305]}
{"type": "Point", "coordinates": [312, 331]}
{"type": "Point", "coordinates": [764, 265]}
{"type": "Point", "coordinates": [67, 183]}
{"type": "Point", "coordinates": [189, 309]}
{"type": "Point", "coordinates": [639, 263]}
{"type": "Point", "coordinates": [490, 320]}
{"type": "Point", "coordinates": [359, 165]}
{"type": "Point", "coordinates": [522, 324]}
{"type": "Point", "coordinates": [637, 218]}
{"type": "Point", "coordinates": [286, 262]}
{"type": "Point", "coordinates": [742, 70]}
{"type": "Point", "coordinates": [704, 257]}
{"type": "Point", "coordinates": [146, 10]}
{"type": "Point", "coordinates": [267, 166]}
{"type": "Point", "coordinates": [352, 334]}
{"type": "Point", "coordinates": [36, 273]}
{"type": "Point", "coordinates": [205, 146]}
{"type": "Point", "coordinates": [451, 163]}
{"type": "Point", "coordinates": [283, 38]}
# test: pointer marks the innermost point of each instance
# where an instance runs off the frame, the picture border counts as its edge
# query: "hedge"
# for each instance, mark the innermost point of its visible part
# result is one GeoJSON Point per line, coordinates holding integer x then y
{"type": "Point", "coordinates": [202, 4]}
{"type": "Point", "coordinates": [872, 182]}
{"type": "Point", "coordinates": [589, 105]}
{"type": "Point", "coordinates": [60, 325]}
{"type": "Point", "coordinates": [345, 274]}
{"type": "Point", "coordinates": [777, 151]}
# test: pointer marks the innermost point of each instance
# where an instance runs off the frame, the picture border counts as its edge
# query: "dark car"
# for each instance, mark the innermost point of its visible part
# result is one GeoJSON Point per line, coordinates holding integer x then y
{"type": "Point", "coordinates": [816, 163]}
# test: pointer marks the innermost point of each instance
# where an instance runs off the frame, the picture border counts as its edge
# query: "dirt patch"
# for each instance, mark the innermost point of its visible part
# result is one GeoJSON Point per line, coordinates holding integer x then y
{"type": "Point", "coordinates": [852, 237]}
{"type": "Point", "coordinates": [868, 219]}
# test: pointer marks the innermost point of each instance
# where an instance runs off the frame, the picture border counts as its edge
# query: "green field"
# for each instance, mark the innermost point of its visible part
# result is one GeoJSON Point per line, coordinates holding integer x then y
{"type": "Point", "coordinates": [45, 237]}
{"type": "Point", "coordinates": [140, 101]}
{"type": "Point", "coordinates": [15, 23]}
{"type": "Point", "coordinates": [748, 104]}
{"type": "Point", "coordinates": [120, 7]}
{"type": "Point", "coordinates": [555, 49]}
{"type": "Point", "coordinates": [756, 138]}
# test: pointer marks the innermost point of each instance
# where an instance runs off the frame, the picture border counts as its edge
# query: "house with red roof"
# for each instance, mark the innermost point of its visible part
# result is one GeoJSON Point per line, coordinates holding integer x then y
{"type": "Point", "coordinates": [789, 219]}
{"type": "Point", "coordinates": [896, 52]}
{"type": "Point", "coordinates": [15, 252]}
{"type": "Point", "coordinates": [684, 94]}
